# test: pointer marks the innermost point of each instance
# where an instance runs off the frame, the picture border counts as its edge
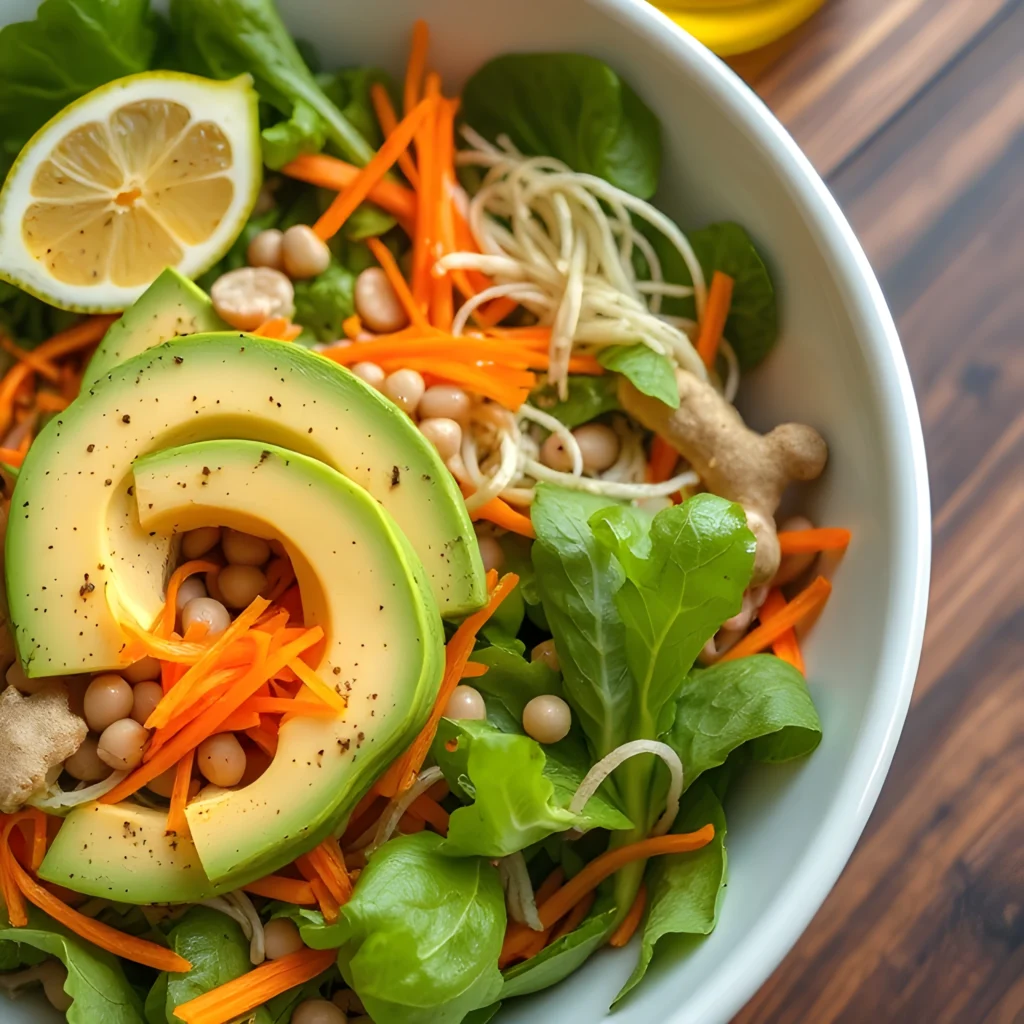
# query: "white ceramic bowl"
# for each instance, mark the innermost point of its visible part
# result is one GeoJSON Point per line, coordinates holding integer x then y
{"type": "Point", "coordinates": [838, 366]}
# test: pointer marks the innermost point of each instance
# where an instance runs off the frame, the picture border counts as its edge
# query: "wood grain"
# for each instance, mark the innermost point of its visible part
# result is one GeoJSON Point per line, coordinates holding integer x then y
{"type": "Point", "coordinates": [927, 922]}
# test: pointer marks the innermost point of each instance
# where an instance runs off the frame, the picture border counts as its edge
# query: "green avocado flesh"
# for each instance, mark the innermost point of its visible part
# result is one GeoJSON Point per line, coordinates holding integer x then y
{"type": "Point", "coordinates": [364, 585]}
{"type": "Point", "coordinates": [78, 559]}
{"type": "Point", "coordinates": [172, 306]}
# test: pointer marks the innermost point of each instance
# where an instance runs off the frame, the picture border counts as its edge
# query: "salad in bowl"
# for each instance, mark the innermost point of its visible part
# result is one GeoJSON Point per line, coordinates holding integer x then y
{"type": "Point", "coordinates": [393, 592]}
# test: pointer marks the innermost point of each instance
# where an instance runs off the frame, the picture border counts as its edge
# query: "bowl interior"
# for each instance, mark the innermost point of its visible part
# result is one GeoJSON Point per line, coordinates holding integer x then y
{"type": "Point", "coordinates": [838, 367]}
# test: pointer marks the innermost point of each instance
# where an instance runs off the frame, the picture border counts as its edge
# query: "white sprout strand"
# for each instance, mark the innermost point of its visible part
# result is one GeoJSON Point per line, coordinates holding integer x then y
{"type": "Point", "coordinates": [393, 813]}
{"type": "Point", "coordinates": [61, 801]}
{"type": "Point", "coordinates": [631, 465]}
{"type": "Point", "coordinates": [610, 488]}
{"type": "Point", "coordinates": [257, 940]}
{"type": "Point", "coordinates": [732, 380]}
{"type": "Point", "coordinates": [608, 764]}
{"type": "Point", "coordinates": [489, 487]}
{"type": "Point", "coordinates": [522, 904]}
{"type": "Point", "coordinates": [224, 906]}
{"type": "Point", "coordinates": [560, 430]}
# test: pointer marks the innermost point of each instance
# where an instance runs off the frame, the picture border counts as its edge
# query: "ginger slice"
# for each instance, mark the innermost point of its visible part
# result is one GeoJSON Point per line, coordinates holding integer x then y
{"type": "Point", "coordinates": [732, 460]}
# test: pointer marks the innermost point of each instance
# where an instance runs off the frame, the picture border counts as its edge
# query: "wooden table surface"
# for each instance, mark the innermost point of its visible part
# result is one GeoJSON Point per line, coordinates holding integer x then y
{"type": "Point", "coordinates": [913, 112]}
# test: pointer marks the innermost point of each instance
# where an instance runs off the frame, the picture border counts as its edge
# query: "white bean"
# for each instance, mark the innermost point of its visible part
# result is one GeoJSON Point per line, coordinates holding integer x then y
{"type": "Point", "coordinates": [243, 548]}
{"type": "Point", "coordinates": [547, 719]}
{"type": "Point", "coordinates": [281, 937]}
{"type": "Point", "coordinates": [465, 703]}
{"type": "Point", "coordinates": [85, 764]}
{"type": "Point", "coordinates": [247, 297]}
{"type": "Point", "coordinates": [444, 434]}
{"type": "Point", "coordinates": [318, 1011]}
{"type": "Point", "coordinates": [371, 373]}
{"type": "Point", "coordinates": [197, 542]}
{"type": "Point", "coordinates": [445, 401]}
{"type": "Point", "coordinates": [491, 553]}
{"type": "Point", "coordinates": [377, 304]}
{"type": "Point", "coordinates": [143, 670]}
{"type": "Point", "coordinates": [599, 446]}
{"type": "Point", "coordinates": [304, 253]}
{"type": "Point", "coordinates": [221, 759]}
{"type": "Point", "coordinates": [163, 784]}
{"type": "Point", "coordinates": [121, 744]}
{"type": "Point", "coordinates": [545, 651]}
{"type": "Point", "coordinates": [405, 388]}
{"type": "Point", "coordinates": [107, 700]}
{"type": "Point", "coordinates": [265, 250]}
{"type": "Point", "coordinates": [189, 590]}
{"type": "Point", "coordinates": [240, 585]}
{"type": "Point", "coordinates": [208, 610]}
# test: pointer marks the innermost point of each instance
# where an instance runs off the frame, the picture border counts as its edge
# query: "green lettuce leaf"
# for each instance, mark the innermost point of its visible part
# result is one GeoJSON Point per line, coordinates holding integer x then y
{"type": "Point", "coordinates": [96, 981]}
{"type": "Point", "coordinates": [572, 107]}
{"type": "Point", "coordinates": [588, 398]}
{"type": "Point", "coordinates": [323, 302]}
{"type": "Point", "coordinates": [349, 90]}
{"type": "Point", "coordinates": [281, 1007]}
{"type": "Point", "coordinates": [512, 682]}
{"type": "Point", "coordinates": [294, 136]}
{"type": "Point", "coordinates": [646, 370]}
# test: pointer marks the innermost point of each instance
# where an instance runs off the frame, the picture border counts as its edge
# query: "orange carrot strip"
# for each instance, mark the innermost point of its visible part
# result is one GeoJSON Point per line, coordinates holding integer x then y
{"type": "Point", "coordinates": [824, 538]}
{"type": "Point", "coordinates": [809, 600]}
{"type": "Point", "coordinates": [329, 865]}
{"type": "Point", "coordinates": [220, 683]}
{"type": "Point", "coordinates": [328, 904]}
{"type": "Point", "coordinates": [287, 890]}
{"type": "Point", "coordinates": [239, 721]}
{"type": "Point", "coordinates": [403, 771]}
{"type": "Point", "coordinates": [331, 173]}
{"type": "Point", "coordinates": [786, 646]}
{"type": "Point", "coordinates": [47, 401]}
{"type": "Point", "coordinates": [662, 460]}
{"type": "Point", "coordinates": [278, 328]}
{"type": "Point", "coordinates": [495, 311]}
{"type": "Point", "coordinates": [256, 987]}
{"type": "Point", "coordinates": [266, 741]}
{"type": "Point", "coordinates": [532, 942]}
{"type": "Point", "coordinates": [41, 366]}
{"type": "Point", "coordinates": [417, 65]}
{"type": "Point", "coordinates": [716, 312]}
{"type": "Point", "coordinates": [82, 334]}
{"type": "Point", "coordinates": [474, 670]}
{"type": "Point", "coordinates": [388, 121]}
{"type": "Point", "coordinates": [182, 573]}
{"type": "Point", "coordinates": [352, 327]}
{"type": "Point", "coordinates": [441, 298]}
{"type": "Point", "coordinates": [12, 383]}
{"type": "Point", "coordinates": [502, 514]}
{"type": "Point", "coordinates": [487, 382]}
{"type": "Point", "coordinates": [345, 203]}
{"type": "Point", "coordinates": [431, 812]}
{"type": "Point", "coordinates": [575, 917]}
{"type": "Point", "coordinates": [412, 309]}
{"type": "Point", "coordinates": [176, 820]}
{"type": "Point", "coordinates": [630, 923]}
{"type": "Point", "coordinates": [326, 693]}
{"type": "Point", "coordinates": [424, 235]}
{"type": "Point", "coordinates": [12, 456]}
{"type": "Point", "coordinates": [36, 825]}
{"type": "Point", "coordinates": [445, 346]}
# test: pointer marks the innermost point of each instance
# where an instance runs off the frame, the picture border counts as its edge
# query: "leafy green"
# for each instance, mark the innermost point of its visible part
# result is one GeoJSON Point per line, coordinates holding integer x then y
{"type": "Point", "coordinates": [29, 320]}
{"type": "Point", "coordinates": [685, 890]}
{"type": "Point", "coordinates": [761, 702]}
{"type": "Point", "coordinates": [294, 136]}
{"type": "Point", "coordinates": [513, 681]}
{"type": "Point", "coordinates": [323, 302]}
{"type": "Point", "coordinates": [572, 107]}
{"type": "Point", "coordinates": [422, 932]}
{"type": "Point", "coordinates": [483, 1015]}
{"type": "Point", "coordinates": [349, 90]}
{"type": "Point", "coordinates": [649, 372]}
{"type": "Point", "coordinates": [281, 1007]}
{"type": "Point", "coordinates": [155, 1010]}
{"type": "Point", "coordinates": [520, 790]}
{"type": "Point", "coordinates": [589, 397]}
{"type": "Point", "coordinates": [225, 38]}
{"type": "Point", "coordinates": [95, 982]}
{"type": "Point", "coordinates": [70, 48]}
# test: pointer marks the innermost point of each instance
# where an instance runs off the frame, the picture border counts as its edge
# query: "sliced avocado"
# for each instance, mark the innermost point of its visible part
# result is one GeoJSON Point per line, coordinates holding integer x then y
{"type": "Point", "coordinates": [78, 560]}
{"type": "Point", "coordinates": [363, 584]}
{"type": "Point", "coordinates": [172, 306]}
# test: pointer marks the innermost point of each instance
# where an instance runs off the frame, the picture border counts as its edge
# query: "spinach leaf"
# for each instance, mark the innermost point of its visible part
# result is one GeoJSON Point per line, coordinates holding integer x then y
{"type": "Point", "coordinates": [520, 791]}
{"type": "Point", "coordinates": [561, 958]}
{"type": "Point", "coordinates": [96, 981]}
{"type": "Point", "coordinates": [589, 397]}
{"type": "Point", "coordinates": [760, 701]}
{"type": "Point", "coordinates": [685, 890]}
{"type": "Point", "coordinates": [225, 38]}
{"type": "Point", "coordinates": [70, 48]}
{"type": "Point", "coordinates": [281, 1007]}
{"type": "Point", "coordinates": [301, 133]}
{"type": "Point", "coordinates": [349, 90]}
{"type": "Point", "coordinates": [647, 371]}
{"type": "Point", "coordinates": [483, 1015]}
{"type": "Point", "coordinates": [578, 580]}
{"type": "Point", "coordinates": [514, 682]}
{"type": "Point", "coordinates": [422, 933]}
{"type": "Point", "coordinates": [155, 1009]}
{"type": "Point", "coordinates": [572, 107]}
{"type": "Point", "coordinates": [323, 302]}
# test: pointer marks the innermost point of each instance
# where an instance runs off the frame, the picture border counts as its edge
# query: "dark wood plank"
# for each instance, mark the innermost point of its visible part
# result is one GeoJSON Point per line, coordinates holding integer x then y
{"type": "Point", "coordinates": [926, 923]}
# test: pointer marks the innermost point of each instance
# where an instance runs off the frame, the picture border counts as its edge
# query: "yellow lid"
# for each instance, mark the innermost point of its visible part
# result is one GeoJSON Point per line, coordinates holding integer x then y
{"type": "Point", "coordinates": [736, 26]}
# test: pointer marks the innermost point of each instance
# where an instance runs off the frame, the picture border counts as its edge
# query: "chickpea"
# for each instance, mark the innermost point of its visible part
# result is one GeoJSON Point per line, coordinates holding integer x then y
{"type": "Point", "coordinates": [221, 759]}
{"type": "Point", "coordinates": [554, 455]}
{"type": "Point", "coordinates": [145, 698]}
{"type": "Point", "coordinates": [107, 700]}
{"type": "Point", "coordinates": [244, 549]}
{"type": "Point", "coordinates": [304, 252]}
{"type": "Point", "coordinates": [545, 651]}
{"type": "Point", "coordinates": [85, 764]}
{"type": "Point", "coordinates": [445, 401]}
{"type": "Point", "coordinates": [547, 719]}
{"type": "Point", "coordinates": [197, 542]}
{"type": "Point", "coordinates": [281, 937]}
{"type": "Point", "coordinates": [371, 373]}
{"type": "Point", "coordinates": [163, 784]}
{"type": "Point", "coordinates": [377, 304]}
{"type": "Point", "coordinates": [121, 744]}
{"type": "Point", "coordinates": [491, 553]}
{"type": "Point", "coordinates": [405, 388]}
{"type": "Point", "coordinates": [208, 610]}
{"type": "Point", "coordinates": [240, 584]}
{"type": "Point", "coordinates": [444, 434]}
{"type": "Point", "coordinates": [247, 297]}
{"type": "Point", "coordinates": [792, 566]}
{"type": "Point", "coordinates": [265, 250]}
{"type": "Point", "coordinates": [142, 671]}
{"type": "Point", "coordinates": [465, 703]}
{"type": "Point", "coordinates": [318, 1011]}
{"type": "Point", "coordinates": [189, 590]}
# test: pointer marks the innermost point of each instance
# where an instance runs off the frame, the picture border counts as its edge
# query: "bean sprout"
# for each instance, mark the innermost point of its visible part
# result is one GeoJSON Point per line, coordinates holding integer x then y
{"type": "Point", "coordinates": [732, 380]}
{"type": "Point", "coordinates": [522, 904]}
{"type": "Point", "coordinates": [557, 427]}
{"type": "Point", "coordinates": [399, 805]}
{"type": "Point", "coordinates": [610, 488]}
{"type": "Point", "coordinates": [239, 908]}
{"type": "Point", "coordinates": [55, 800]}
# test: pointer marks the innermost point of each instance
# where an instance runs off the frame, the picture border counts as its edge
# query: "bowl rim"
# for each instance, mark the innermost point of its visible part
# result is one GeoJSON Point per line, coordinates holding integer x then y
{"type": "Point", "coordinates": [751, 962]}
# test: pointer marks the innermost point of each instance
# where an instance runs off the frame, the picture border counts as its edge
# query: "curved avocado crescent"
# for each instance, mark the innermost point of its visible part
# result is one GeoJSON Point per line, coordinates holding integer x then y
{"type": "Point", "coordinates": [78, 558]}
{"type": "Point", "coordinates": [383, 650]}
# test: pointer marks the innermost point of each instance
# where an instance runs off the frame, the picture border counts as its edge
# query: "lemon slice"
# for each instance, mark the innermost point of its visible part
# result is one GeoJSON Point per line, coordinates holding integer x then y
{"type": "Point", "coordinates": [151, 171]}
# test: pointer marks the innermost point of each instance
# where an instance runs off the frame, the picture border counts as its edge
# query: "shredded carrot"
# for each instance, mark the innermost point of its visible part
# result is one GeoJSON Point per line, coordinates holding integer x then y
{"type": "Point", "coordinates": [473, 350]}
{"type": "Point", "coordinates": [10, 386]}
{"type": "Point", "coordinates": [383, 256]}
{"type": "Point", "coordinates": [474, 670]}
{"type": "Point", "coordinates": [256, 987]}
{"type": "Point", "coordinates": [47, 401]}
{"type": "Point", "coordinates": [352, 327]}
{"type": "Point", "coordinates": [328, 862]}
{"type": "Point", "coordinates": [278, 328]}
{"type": "Point", "coordinates": [264, 739]}
{"type": "Point", "coordinates": [431, 812]}
{"type": "Point", "coordinates": [41, 366]}
{"type": "Point", "coordinates": [441, 298]}
{"type": "Point", "coordinates": [176, 820]}
{"type": "Point", "coordinates": [326, 693]}
{"type": "Point", "coordinates": [331, 173]}
{"type": "Point", "coordinates": [537, 940]}
{"type": "Point", "coordinates": [805, 603]}
{"type": "Point", "coordinates": [182, 573]}
{"type": "Point", "coordinates": [345, 203]}
{"type": "Point", "coordinates": [403, 771]}
{"type": "Point", "coordinates": [662, 460]}
{"type": "Point", "coordinates": [424, 235]}
{"type": "Point", "coordinates": [801, 542]}
{"type": "Point", "coordinates": [786, 646]}
{"type": "Point", "coordinates": [496, 311]}
{"type": "Point", "coordinates": [388, 121]}
{"type": "Point", "coordinates": [83, 334]}
{"type": "Point", "coordinates": [509, 393]}
{"type": "Point", "coordinates": [287, 890]}
{"type": "Point", "coordinates": [575, 917]}
{"type": "Point", "coordinates": [240, 720]}
{"type": "Point", "coordinates": [417, 65]}
{"type": "Point", "coordinates": [328, 904]}
{"type": "Point", "coordinates": [12, 456]}
{"type": "Point", "coordinates": [630, 923]}
{"type": "Point", "coordinates": [502, 514]}
{"type": "Point", "coordinates": [716, 312]}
